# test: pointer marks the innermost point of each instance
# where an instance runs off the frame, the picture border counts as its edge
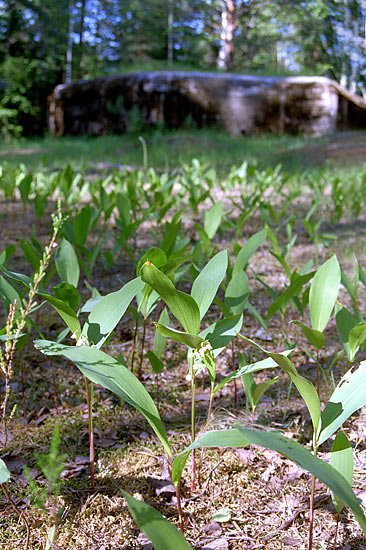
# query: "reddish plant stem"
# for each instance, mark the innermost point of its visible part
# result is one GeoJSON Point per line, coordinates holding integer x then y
{"type": "Point", "coordinates": [193, 433]}
{"type": "Point", "coordinates": [91, 435]}
{"type": "Point", "coordinates": [233, 364]}
{"type": "Point", "coordinates": [311, 514]}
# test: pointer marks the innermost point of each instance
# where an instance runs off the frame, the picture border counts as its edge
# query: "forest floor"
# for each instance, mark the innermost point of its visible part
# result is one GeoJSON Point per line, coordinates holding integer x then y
{"type": "Point", "coordinates": [267, 495]}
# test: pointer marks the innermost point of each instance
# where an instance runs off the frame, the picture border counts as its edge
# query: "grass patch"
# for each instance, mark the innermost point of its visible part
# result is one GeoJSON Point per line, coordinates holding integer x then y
{"type": "Point", "coordinates": [165, 149]}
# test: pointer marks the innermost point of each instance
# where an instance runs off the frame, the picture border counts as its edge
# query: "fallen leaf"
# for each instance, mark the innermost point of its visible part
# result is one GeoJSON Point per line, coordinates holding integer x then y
{"type": "Point", "coordinates": [261, 334]}
{"type": "Point", "coordinates": [15, 464]}
{"type": "Point", "coordinates": [222, 515]}
{"type": "Point", "coordinates": [144, 542]}
{"type": "Point", "coordinates": [245, 455]}
{"type": "Point", "coordinates": [291, 541]}
{"type": "Point", "coordinates": [213, 529]}
{"type": "Point", "coordinates": [218, 544]}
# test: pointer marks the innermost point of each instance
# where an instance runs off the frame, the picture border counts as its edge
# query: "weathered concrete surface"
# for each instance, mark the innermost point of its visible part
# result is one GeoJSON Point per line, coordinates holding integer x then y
{"type": "Point", "coordinates": [241, 104]}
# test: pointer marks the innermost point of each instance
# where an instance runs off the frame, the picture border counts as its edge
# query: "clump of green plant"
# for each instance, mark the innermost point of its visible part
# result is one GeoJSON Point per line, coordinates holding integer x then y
{"type": "Point", "coordinates": [18, 315]}
{"type": "Point", "coordinates": [46, 498]}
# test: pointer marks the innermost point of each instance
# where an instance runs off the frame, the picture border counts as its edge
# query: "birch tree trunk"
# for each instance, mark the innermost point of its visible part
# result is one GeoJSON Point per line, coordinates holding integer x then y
{"type": "Point", "coordinates": [81, 43]}
{"type": "Point", "coordinates": [225, 59]}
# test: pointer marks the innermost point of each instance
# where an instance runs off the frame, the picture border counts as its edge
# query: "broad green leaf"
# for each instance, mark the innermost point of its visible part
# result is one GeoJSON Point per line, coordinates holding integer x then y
{"type": "Point", "coordinates": [102, 369]}
{"type": "Point", "coordinates": [81, 224]}
{"type": "Point", "coordinates": [218, 438]}
{"type": "Point", "coordinates": [212, 219]}
{"type": "Point", "coordinates": [155, 255]}
{"type": "Point", "coordinates": [25, 187]}
{"type": "Point", "coordinates": [249, 387]}
{"type": "Point", "coordinates": [315, 337]}
{"type": "Point", "coordinates": [341, 459]}
{"type": "Point", "coordinates": [261, 388]}
{"type": "Point", "coordinates": [280, 257]}
{"type": "Point", "coordinates": [9, 294]}
{"type": "Point", "coordinates": [304, 386]}
{"type": "Point", "coordinates": [205, 286]}
{"type": "Point", "coordinates": [204, 240]}
{"type": "Point", "coordinates": [221, 333]}
{"type": "Point", "coordinates": [182, 305]}
{"type": "Point", "coordinates": [222, 307]}
{"type": "Point", "coordinates": [186, 338]}
{"type": "Point", "coordinates": [357, 337]}
{"type": "Point", "coordinates": [67, 263]}
{"type": "Point", "coordinates": [246, 369]}
{"type": "Point", "coordinates": [323, 293]}
{"type": "Point", "coordinates": [248, 250]}
{"type": "Point", "coordinates": [237, 293]}
{"type": "Point", "coordinates": [306, 460]}
{"type": "Point", "coordinates": [20, 277]}
{"type": "Point", "coordinates": [293, 290]}
{"type": "Point", "coordinates": [159, 339]}
{"type": "Point", "coordinates": [345, 322]}
{"type": "Point", "coordinates": [6, 254]}
{"type": "Point", "coordinates": [158, 530]}
{"type": "Point", "coordinates": [67, 314]}
{"type": "Point", "coordinates": [156, 363]}
{"type": "Point", "coordinates": [68, 294]}
{"type": "Point", "coordinates": [105, 316]}
{"type": "Point", "coordinates": [167, 244]}
{"type": "Point", "coordinates": [4, 472]}
{"type": "Point", "coordinates": [147, 300]}
{"type": "Point", "coordinates": [90, 304]}
{"type": "Point", "coordinates": [31, 254]}
{"type": "Point", "coordinates": [348, 397]}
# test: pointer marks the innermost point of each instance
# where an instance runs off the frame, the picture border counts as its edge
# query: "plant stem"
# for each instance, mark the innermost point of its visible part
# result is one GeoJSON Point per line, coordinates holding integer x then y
{"type": "Point", "coordinates": [233, 365]}
{"type": "Point", "coordinates": [179, 508]}
{"type": "Point", "coordinates": [89, 401]}
{"type": "Point", "coordinates": [312, 499]}
{"type": "Point", "coordinates": [139, 373]}
{"type": "Point", "coordinates": [311, 514]}
{"type": "Point", "coordinates": [317, 373]}
{"type": "Point", "coordinates": [205, 428]}
{"type": "Point", "coordinates": [134, 345]}
{"type": "Point", "coordinates": [336, 532]}
{"type": "Point", "coordinates": [193, 431]}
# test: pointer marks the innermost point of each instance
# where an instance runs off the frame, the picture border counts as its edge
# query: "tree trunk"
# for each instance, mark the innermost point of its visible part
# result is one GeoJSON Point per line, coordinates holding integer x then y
{"type": "Point", "coordinates": [81, 44]}
{"type": "Point", "coordinates": [170, 32]}
{"type": "Point", "coordinates": [68, 72]}
{"type": "Point", "coordinates": [228, 24]}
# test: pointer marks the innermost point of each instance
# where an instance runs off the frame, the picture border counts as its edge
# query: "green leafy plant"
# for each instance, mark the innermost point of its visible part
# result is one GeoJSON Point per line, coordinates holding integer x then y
{"type": "Point", "coordinates": [46, 498]}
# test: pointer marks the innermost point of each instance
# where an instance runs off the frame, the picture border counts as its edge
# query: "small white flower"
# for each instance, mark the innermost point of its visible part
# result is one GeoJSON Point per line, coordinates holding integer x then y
{"type": "Point", "coordinates": [81, 341]}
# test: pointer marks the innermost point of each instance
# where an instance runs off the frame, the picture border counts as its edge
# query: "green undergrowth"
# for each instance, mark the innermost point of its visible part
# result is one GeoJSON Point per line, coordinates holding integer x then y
{"type": "Point", "coordinates": [166, 150]}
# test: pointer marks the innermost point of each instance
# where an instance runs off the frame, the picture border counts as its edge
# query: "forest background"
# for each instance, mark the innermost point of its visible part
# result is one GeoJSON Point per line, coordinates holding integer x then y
{"type": "Point", "coordinates": [44, 43]}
